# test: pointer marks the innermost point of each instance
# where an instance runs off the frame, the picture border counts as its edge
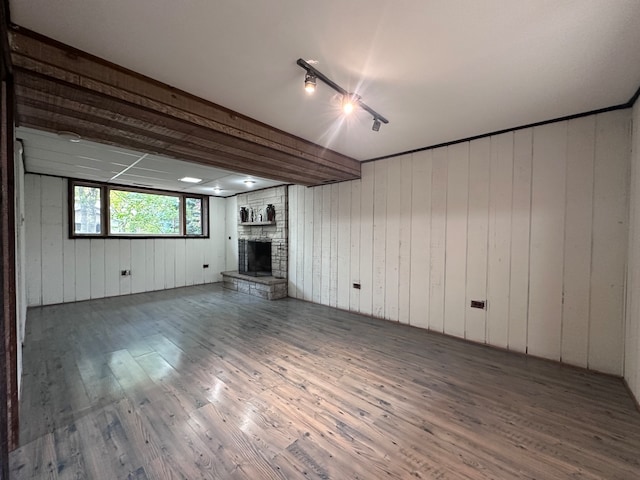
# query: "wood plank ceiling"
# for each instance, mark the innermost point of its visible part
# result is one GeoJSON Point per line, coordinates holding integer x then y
{"type": "Point", "coordinates": [61, 89]}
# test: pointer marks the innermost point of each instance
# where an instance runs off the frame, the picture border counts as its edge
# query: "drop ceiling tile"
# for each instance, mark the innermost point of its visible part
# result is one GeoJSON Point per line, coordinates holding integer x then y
{"type": "Point", "coordinates": [47, 153]}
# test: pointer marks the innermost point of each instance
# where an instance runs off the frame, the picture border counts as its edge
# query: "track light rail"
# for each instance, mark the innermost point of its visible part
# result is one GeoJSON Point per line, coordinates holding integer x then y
{"type": "Point", "coordinates": [377, 118]}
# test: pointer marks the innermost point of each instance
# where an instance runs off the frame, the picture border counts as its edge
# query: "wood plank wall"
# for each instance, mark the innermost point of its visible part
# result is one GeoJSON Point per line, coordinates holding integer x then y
{"type": "Point", "coordinates": [533, 221]}
{"type": "Point", "coordinates": [632, 334]}
{"type": "Point", "coordinates": [60, 269]}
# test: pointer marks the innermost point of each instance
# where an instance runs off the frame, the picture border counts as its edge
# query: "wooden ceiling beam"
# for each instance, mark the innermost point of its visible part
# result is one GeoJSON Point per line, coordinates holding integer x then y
{"type": "Point", "coordinates": [40, 93]}
{"type": "Point", "coordinates": [108, 100]}
{"type": "Point", "coordinates": [138, 140]}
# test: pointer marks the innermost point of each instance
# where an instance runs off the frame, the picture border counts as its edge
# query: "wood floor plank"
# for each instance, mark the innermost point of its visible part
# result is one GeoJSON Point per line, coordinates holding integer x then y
{"type": "Point", "coordinates": [201, 382]}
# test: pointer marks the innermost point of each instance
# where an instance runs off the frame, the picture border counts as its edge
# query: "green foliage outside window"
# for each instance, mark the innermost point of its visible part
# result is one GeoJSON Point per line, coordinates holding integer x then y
{"type": "Point", "coordinates": [193, 216]}
{"type": "Point", "coordinates": [139, 213]}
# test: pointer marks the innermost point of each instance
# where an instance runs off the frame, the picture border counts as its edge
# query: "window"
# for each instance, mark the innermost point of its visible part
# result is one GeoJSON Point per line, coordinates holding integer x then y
{"type": "Point", "coordinates": [99, 210]}
{"type": "Point", "coordinates": [87, 209]}
{"type": "Point", "coordinates": [193, 215]}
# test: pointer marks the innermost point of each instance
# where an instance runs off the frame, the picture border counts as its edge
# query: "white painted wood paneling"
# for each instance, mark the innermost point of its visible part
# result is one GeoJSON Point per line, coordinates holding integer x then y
{"type": "Point", "coordinates": [33, 238]}
{"type": "Point", "coordinates": [525, 240]}
{"type": "Point", "coordinates": [355, 220]}
{"type": "Point", "coordinates": [170, 263]}
{"type": "Point", "coordinates": [420, 239]}
{"type": "Point", "coordinates": [404, 269]}
{"type": "Point", "coordinates": [366, 238]}
{"type": "Point", "coordinates": [325, 244]}
{"type": "Point", "coordinates": [181, 262]}
{"type": "Point", "coordinates": [316, 250]}
{"type": "Point", "coordinates": [199, 262]}
{"type": "Point", "coordinates": [611, 173]}
{"type": "Point", "coordinates": [83, 269]}
{"type": "Point", "coordinates": [97, 268]}
{"type": "Point", "coordinates": [193, 263]}
{"type": "Point", "coordinates": [300, 220]}
{"type": "Point", "coordinates": [632, 334]}
{"type": "Point", "coordinates": [438, 239]}
{"type": "Point", "coordinates": [125, 264]}
{"type": "Point", "coordinates": [499, 267]}
{"type": "Point", "coordinates": [138, 266]}
{"type": "Point", "coordinates": [293, 241]}
{"type": "Point", "coordinates": [379, 237]}
{"type": "Point", "coordinates": [547, 239]}
{"type": "Point", "coordinates": [577, 244]}
{"type": "Point", "coordinates": [456, 238]}
{"type": "Point", "coordinates": [52, 232]}
{"type": "Point", "coordinates": [111, 267]}
{"type": "Point", "coordinates": [333, 243]}
{"type": "Point", "coordinates": [212, 273]}
{"type": "Point", "coordinates": [215, 245]}
{"type": "Point", "coordinates": [509, 224]}
{"type": "Point", "coordinates": [477, 238]}
{"type": "Point", "coordinates": [149, 264]}
{"type": "Point", "coordinates": [308, 251]}
{"type": "Point", "coordinates": [343, 232]}
{"type": "Point", "coordinates": [158, 264]}
{"type": "Point", "coordinates": [520, 231]}
{"type": "Point", "coordinates": [231, 232]}
{"type": "Point", "coordinates": [392, 240]}
{"type": "Point", "coordinates": [68, 255]}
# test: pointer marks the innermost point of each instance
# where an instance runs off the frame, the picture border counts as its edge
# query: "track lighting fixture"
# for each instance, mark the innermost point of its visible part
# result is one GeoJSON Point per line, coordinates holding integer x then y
{"type": "Point", "coordinates": [310, 82]}
{"type": "Point", "coordinates": [349, 100]}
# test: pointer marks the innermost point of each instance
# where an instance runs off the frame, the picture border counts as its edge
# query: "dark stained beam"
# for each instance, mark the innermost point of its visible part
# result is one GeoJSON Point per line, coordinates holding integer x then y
{"type": "Point", "coordinates": [8, 343]}
{"type": "Point", "coordinates": [9, 427]}
{"type": "Point", "coordinates": [60, 106]}
{"type": "Point", "coordinates": [59, 88]}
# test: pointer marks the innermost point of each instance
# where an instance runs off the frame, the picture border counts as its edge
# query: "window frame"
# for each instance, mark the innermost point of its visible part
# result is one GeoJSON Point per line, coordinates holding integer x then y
{"type": "Point", "coordinates": [105, 217]}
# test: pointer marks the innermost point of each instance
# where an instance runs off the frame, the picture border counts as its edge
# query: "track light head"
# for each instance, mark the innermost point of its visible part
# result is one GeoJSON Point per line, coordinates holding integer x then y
{"type": "Point", "coordinates": [376, 124]}
{"type": "Point", "coordinates": [349, 102]}
{"type": "Point", "coordinates": [347, 105]}
{"type": "Point", "coordinates": [310, 82]}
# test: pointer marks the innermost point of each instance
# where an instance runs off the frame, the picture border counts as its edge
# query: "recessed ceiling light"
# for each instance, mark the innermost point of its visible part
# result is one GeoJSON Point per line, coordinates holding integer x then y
{"type": "Point", "coordinates": [70, 137]}
{"type": "Point", "coordinates": [249, 182]}
{"type": "Point", "coordinates": [190, 180]}
{"type": "Point", "coordinates": [216, 190]}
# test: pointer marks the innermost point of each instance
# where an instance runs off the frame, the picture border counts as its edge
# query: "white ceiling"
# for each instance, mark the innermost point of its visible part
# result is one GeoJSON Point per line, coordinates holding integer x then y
{"type": "Point", "coordinates": [51, 154]}
{"type": "Point", "coordinates": [439, 70]}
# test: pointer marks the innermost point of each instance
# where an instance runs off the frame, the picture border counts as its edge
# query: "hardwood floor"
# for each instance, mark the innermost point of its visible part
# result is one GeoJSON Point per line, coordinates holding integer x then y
{"type": "Point", "coordinates": [202, 382]}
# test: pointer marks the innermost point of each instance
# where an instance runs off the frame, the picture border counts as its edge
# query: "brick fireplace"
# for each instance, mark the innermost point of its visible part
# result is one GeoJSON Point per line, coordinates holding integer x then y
{"type": "Point", "coordinates": [256, 223]}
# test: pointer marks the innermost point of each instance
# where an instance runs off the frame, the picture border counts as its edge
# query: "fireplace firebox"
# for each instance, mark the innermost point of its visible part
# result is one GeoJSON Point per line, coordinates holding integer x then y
{"type": "Point", "coordinates": [254, 257]}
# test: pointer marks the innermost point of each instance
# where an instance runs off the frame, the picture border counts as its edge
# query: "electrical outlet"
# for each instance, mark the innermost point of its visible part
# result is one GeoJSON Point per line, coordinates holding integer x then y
{"type": "Point", "coordinates": [206, 265]}
{"type": "Point", "coordinates": [356, 286]}
{"type": "Point", "coordinates": [478, 304]}
{"type": "Point", "coordinates": [125, 273]}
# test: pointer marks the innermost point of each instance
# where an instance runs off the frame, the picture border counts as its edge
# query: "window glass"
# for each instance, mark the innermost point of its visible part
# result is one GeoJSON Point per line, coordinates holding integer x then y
{"type": "Point", "coordinates": [193, 214]}
{"type": "Point", "coordinates": [86, 210]}
{"type": "Point", "coordinates": [137, 213]}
